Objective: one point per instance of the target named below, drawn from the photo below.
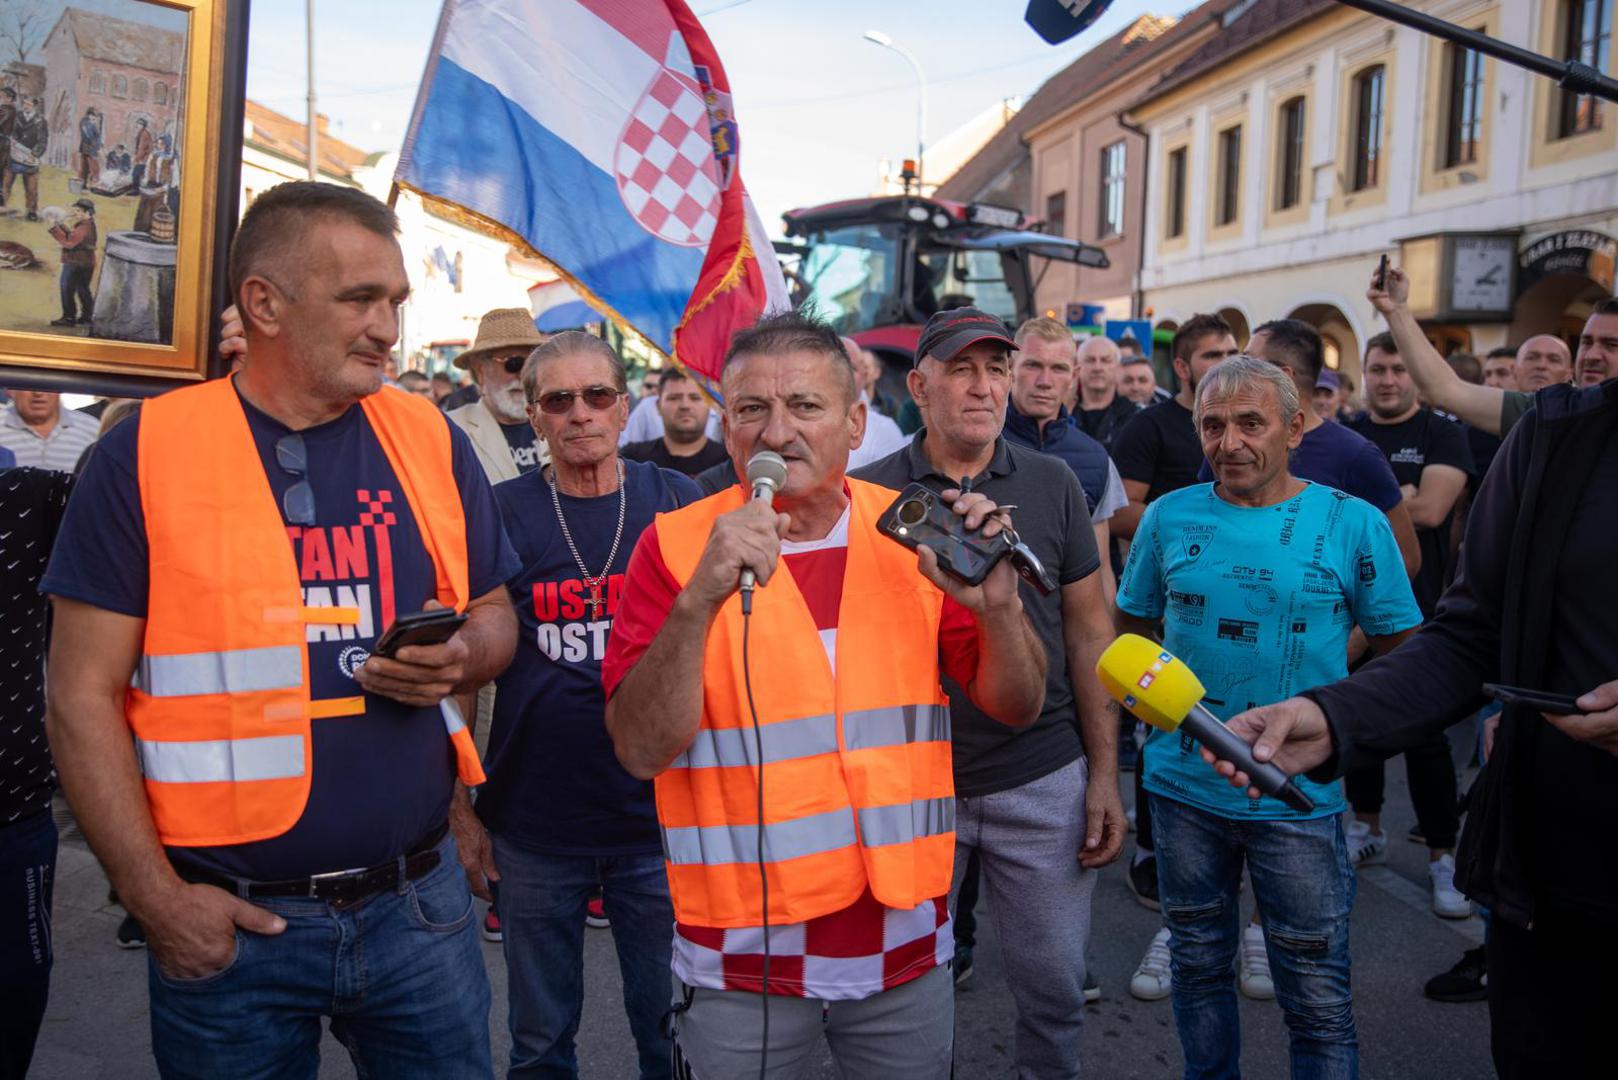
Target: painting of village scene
(90, 172)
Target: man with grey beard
(497, 422)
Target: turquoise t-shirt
(1259, 603)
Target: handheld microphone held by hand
(1152, 683)
(766, 472)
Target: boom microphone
(1058, 20)
(766, 472)
(1152, 683)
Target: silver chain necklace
(594, 584)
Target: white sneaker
(1255, 978)
(1448, 901)
(1365, 848)
(1152, 981)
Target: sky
(819, 107)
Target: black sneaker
(131, 935)
(1092, 988)
(1143, 882)
(1467, 981)
(963, 963)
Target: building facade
(1306, 139)
(129, 72)
(456, 273)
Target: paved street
(97, 1024)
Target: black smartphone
(1539, 700)
(1382, 272)
(920, 517)
(432, 627)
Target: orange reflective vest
(858, 787)
(220, 705)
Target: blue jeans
(542, 902)
(27, 867)
(400, 974)
(1304, 887)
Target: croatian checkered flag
(599, 134)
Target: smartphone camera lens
(912, 512)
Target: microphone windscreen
(1149, 681)
(766, 466)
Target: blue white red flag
(600, 134)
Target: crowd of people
(786, 799)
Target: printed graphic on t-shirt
(575, 617)
(1259, 601)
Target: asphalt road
(97, 1022)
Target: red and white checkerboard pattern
(848, 955)
(667, 175)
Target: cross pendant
(595, 601)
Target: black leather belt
(339, 885)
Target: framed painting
(120, 152)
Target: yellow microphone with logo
(1157, 687)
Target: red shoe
(491, 927)
(596, 913)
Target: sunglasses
(513, 364)
(298, 501)
(560, 402)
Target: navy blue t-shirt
(381, 780)
(1340, 458)
(555, 784)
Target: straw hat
(501, 329)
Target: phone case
(919, 517)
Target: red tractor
(878, 267)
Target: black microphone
(766, 472)
(1058, 20)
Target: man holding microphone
(802, 752)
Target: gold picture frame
(150, 156)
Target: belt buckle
(332, 876)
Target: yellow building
(1306, 139)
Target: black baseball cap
(948, 332)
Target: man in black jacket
(1533, 606)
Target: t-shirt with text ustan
(847, 955)
(1259, 603)
(381, 780)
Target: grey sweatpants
(906, 1033)
(1028, 840)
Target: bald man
(1101, 410)
(1543, 360)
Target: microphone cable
(763, 878)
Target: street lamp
(877, 37)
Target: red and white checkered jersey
(847, 955)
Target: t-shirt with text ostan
(1259, 602)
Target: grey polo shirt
(59, 450)
(1052, 520)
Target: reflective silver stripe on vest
(715, 845)
(237, 671)
(274, 757)
(784, 740)
(904, 822)
(898, 725)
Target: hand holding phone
(1382, 272)
(1538, 700)
(434, 626)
